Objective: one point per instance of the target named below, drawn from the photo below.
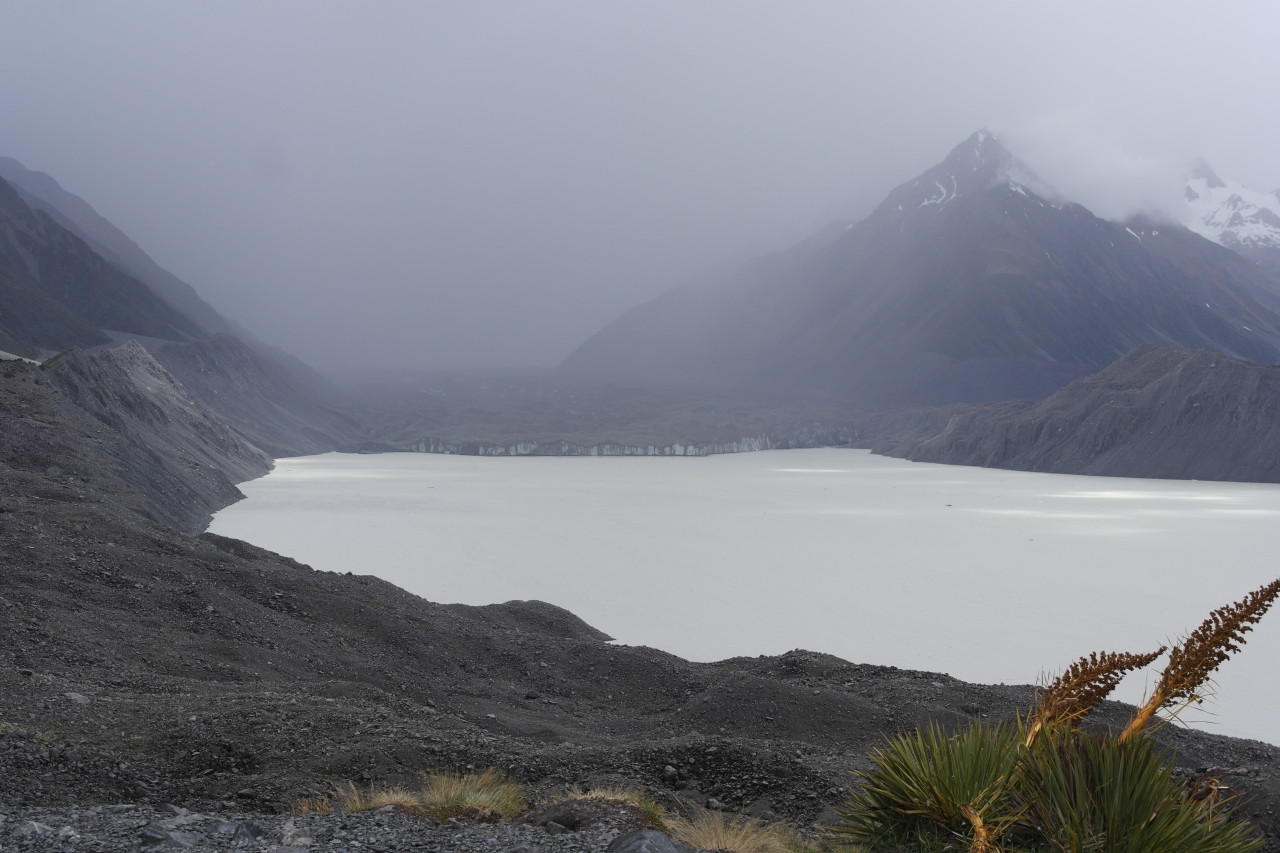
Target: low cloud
(1071, 153)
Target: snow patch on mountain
(1230, 213)
(975, 165)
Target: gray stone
(646, 841)
(247, 832)
(296, 836)
(155, 834)
(32, 829)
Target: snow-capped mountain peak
(1230, 213)
(973, 166)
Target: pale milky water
(991, 576)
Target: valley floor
(141, 665)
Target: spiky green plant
(1088, 792)
(930, 790)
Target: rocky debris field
(604, 829)
(141, 665)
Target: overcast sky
(450, 184)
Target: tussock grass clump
(313, 805)
(711, 830)
(353, 799)
(487, 796)
(652, 811)
(346, 797)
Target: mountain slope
(42, 192)
(173, 451)
(1154, 413)
(65, 270)
(965, 284)
(258, 398)
(32, 322)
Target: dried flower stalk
(1194, 661)
(1082, 687)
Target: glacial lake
(990, 576)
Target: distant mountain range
(968, 283)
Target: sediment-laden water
(991, 576)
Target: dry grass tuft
(487, 796)
(346, 797)
(353, 799)
(1195, 659)
(314, 805)
(711, 830)
(1082, 687)
(654, 814)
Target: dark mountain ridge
(44, 193)
(963, 285)
(64, 269)
(33, 322)
(1154, 413)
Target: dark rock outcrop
(1154, 413)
